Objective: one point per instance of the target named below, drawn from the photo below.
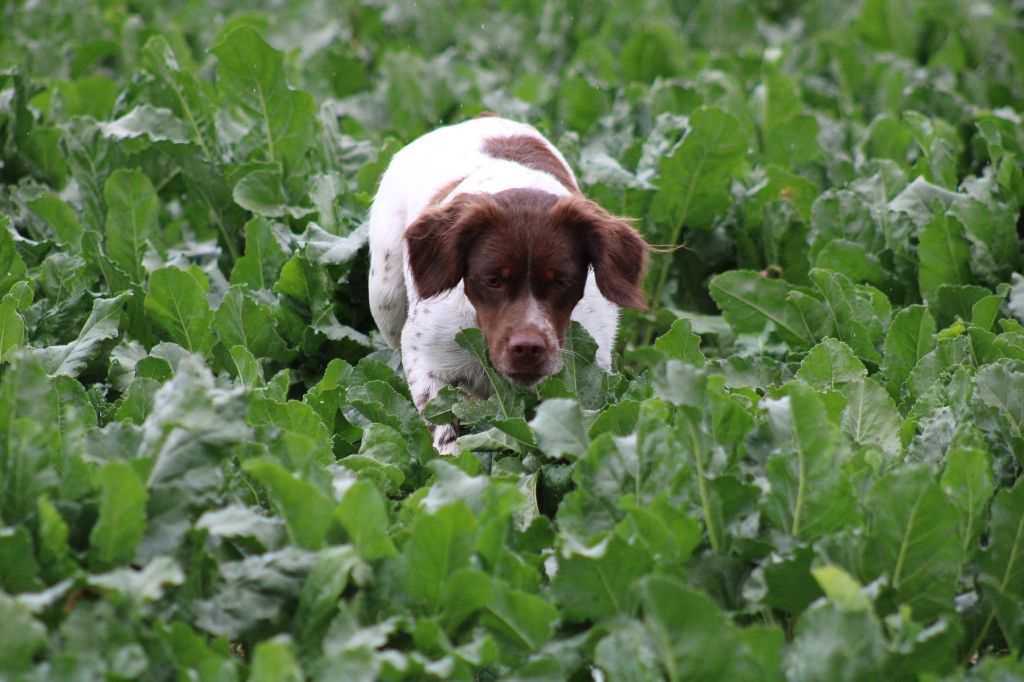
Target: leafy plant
(806, 465)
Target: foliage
(806, 464)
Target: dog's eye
(559, 283)
(492, 282)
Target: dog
(483, 224)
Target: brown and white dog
(483, 224)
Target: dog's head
(524, 256)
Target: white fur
(425, 329)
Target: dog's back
(487, 154)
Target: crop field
(805, 466)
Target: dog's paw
(446, 439)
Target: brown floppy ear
(617, 252)
(438, 240)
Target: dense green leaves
(251, 77)
(803, 461)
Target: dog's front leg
(424, 385)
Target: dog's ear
(437, 242)
(615, 250)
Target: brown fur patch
(531, 152)
(440, 195)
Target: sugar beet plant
(806, 466)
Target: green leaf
(247, 368)
(680, 343)
(183, 91)
(262, 192)
(1002, 567)
(29, 410)
(999, 404)
(264, 256)
(967, 481)
(132, 212)
(870, 416)
(842, 589)
(177, 302)
(859, 312)
(628, 653)
(146, 585)
(255, 595)
(243, 522)
(21, 636)
(274, 661)
(250, 75)
(307, 511)
(830, 364)
(329, 249)
(103, 324)
(692, 637)
(54, 552)
(122, 516)
(243, 321)
(364, 515)
(559, 428)
(749, 302)
(59, 216)
(198, 655)
(596, 583)
(472, 339)
(641, 466)
(944, 256)
(153, 123)
(438, 545)
(580, 373)
(18, 569)
(834, 643)
(12, 267)
(913, 538)
(318, 601)
(910, 336)
(192, 426)
(810, 495)
(693, 180)
(12, 327)
(520, 619)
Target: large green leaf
(251, 78)
(749, 302)
(21, 635)
(12, 327)
(597, 583)
(1002, 570)
(264, 256)
(913, 539)
(438, 545)
(132, 212)
(177, 302)
(30, 443)
(103, 324)
(307, 511)
(12, 266)
(870, 417)
(945, 255)
(693, 184)
(810, 494)
(122, 516)
(559, 429)
(910, 336)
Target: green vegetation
(807, 465)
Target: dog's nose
(526, 346)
